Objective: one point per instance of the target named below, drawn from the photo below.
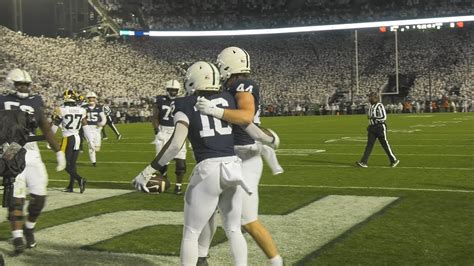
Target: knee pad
(36, 205)
(180, 167)
(15, 211)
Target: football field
(322, 210)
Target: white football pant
(94, 140)
(252, 167)
(207, 190)
(34, 177)
(163, 135)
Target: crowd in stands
(298, 74)
(217, 15)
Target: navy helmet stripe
(213, 74)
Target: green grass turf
(422, 227)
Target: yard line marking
(306, 186)
(284, 152)
(305, 165)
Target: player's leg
(111, 124)
(36, 181)
(201, 199)
(382, 136)
(206, 236)
(252, 172)
(180, 161)
(15, 213)
(371, 137)
(72, 162)
(66, 148)
(231, 210)
(104, 134)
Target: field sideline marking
(312, 144)
(305, 165)
(325, 153)
(309, 186)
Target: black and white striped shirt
(377, 114)
(107, 110)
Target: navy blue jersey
(246, 85)
(93, 115)
(32, 104)
(165, 107)
(209, 136)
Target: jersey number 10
(207, 131)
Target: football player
(71, 118)
(34, 176)
(163, 126)
(96, 120)
(216, 180)
(110, 122)
(234, 66)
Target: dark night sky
(38, 16)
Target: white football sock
(30, 225)
(92, 155)
(17, 233)
(276, 261)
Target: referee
(377, 130)
(110, 123)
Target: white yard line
(308, 186)
(316, 224)
(303, 165)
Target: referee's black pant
(70, 146)
(374, 132)
(111, 124)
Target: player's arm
(49, 136)
(47, 132)
(242, 116)
(103, 119)
(169, 151)
(264, 135)
(155, 118)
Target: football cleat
(82, 185)
(30, 237)
(94, 164)
(105, 138)
(361, 164)
(394, 164)
(67, 190)
(202, 261)
(177, 190)
(119, 136)
(18, 245)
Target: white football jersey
(71, 117)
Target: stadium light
(361, 25)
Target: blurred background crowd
(299, 74)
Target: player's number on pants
(207, 131)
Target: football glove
(140, 181)
(207, 107)
(276, 140)
(61, 160)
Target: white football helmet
(201, 76)
(19, 76)
(91, 94)
(233, 60)
(172, 88)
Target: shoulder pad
(243, 85)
